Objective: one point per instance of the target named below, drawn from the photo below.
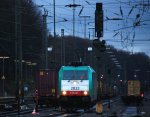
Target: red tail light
(142, 95)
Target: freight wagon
(133, 94)
(46, 84)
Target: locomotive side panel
(94, 86)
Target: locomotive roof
(77, 68)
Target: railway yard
(111, 108)
(54, 65)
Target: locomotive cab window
(75, 75)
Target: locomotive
(77, 87)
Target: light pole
(3, 72)
(90, 49)
(54, 19)
(84, 24)
(50, 48)
(73, 6)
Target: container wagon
(46, 84)
(133, 95)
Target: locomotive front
(77, 86)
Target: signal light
(99, 20)
(142, 95)
(100, 45)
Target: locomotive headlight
(85, 92)
(75, 83)
(64, 92)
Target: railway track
(116, 107)
(80, 112)
(9, 105)
(25, 111)
(52, 112)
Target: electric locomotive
(77, 87)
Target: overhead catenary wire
(111, 3)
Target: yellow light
(85, 92)
(41, 73)
(64, 92)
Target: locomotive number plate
(74, 88)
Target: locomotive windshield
(75, 75)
